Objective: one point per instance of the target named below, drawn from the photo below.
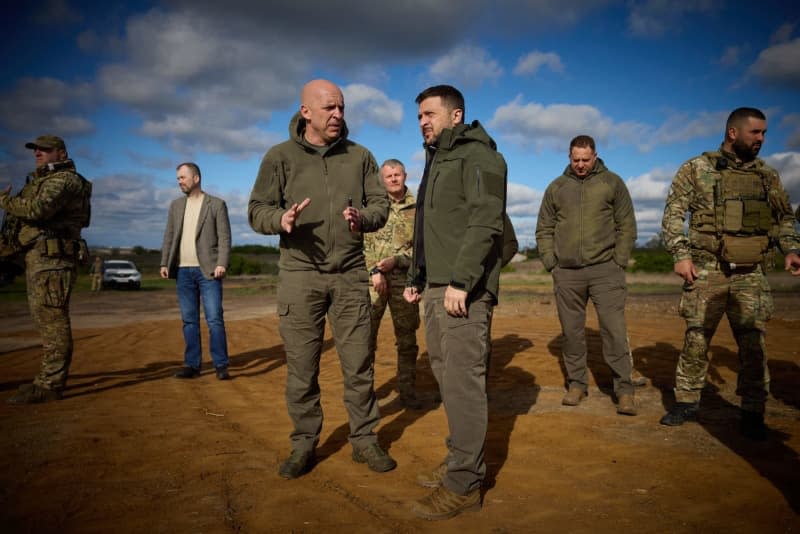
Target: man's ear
(458, 116)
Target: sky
(135, 88)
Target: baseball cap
(47, 141)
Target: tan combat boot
(626, 405)
(434, 478)
(637, 379)
(444, 504)
(574, 396)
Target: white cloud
(779, 65)
(130, 209)
(649, 192)
(680, 127)
(788, 166)
(553, 126)
(731, 56)
(655, 18)
(540, 126)
(792, 121)
(522, 200)
(46, 105)
(533, 61)
(466, 66)
(783, 33)
(365, 104)
(651, 186)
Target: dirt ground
(130, 449)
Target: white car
(121, 273)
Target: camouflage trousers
(745, 298)
(405, 319)
(50, 284)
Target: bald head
(322, 107)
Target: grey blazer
(212, 240)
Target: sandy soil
(131, 449)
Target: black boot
(680, 413)
(752, 426)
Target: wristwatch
(375, 270)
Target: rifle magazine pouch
(744, 250)
(734, 213)
(53, 248)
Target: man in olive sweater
(319, 191)
(585, 232)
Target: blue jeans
(192, 287)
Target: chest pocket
(442, 193)
(745, 209)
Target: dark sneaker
(574, 396)
(637, 379)
(187, 372)
(33, 394)
(376, 458)
(626, 405)
(298, 463)
(752, 426)
(444, 504)
(222, 373)
(434, 478)
(680, 413)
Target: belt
(727, 268)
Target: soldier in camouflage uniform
(49, 213)
(739, 211)
(388, 255)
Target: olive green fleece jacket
(463, 209)
(586, 221)
(294, 170)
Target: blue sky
(137, 87)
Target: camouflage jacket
(395, 238)
(693, 191)
(55, 202)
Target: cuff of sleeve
(458, 285)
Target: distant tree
(655, 243)
(255, 249)
(138, 250)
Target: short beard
(744, 152)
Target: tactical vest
(73, 215)
(742, 219)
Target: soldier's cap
(47, 141)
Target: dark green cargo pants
(305, 298)
(458, 349)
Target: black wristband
(375, 270)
